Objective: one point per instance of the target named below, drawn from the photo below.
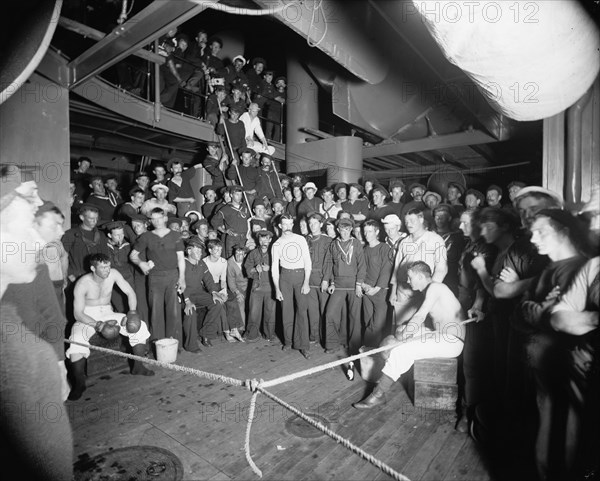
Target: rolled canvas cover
(531, 59)
(28, 28)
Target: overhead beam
(155, 20)
(430, 169)
(89, 32)
(317, 133)
(112, 144)
(424, 157)
(135, 139)
(471, 137)
(384, 163)
(54, 67)
(406, 160)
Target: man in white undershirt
(290, 252)
(252, 125)
(420, 245)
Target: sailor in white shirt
(290, 253)
(252, 125)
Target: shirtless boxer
(435, 330)
(93, 313)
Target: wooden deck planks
(307, 452)
(439, 464)
(424, 456)
(358, 427)
(203, 422)
(418, 433)
(401, 427)
(467, 465)
(305, 394)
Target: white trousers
(428, 345)
(82, 332)
(259, 148)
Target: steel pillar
(341, 157)
(302, 103)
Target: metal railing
(144, 82)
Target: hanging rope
(242, 11)
(317, 8)
(332, 434)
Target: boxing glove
(110, 330)
(133, 322)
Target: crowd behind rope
(342, 268)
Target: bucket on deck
(166, 350)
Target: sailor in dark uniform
(232, 220)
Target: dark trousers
(317, 301)
(519, 391)
(375, 316)
(502, 360)
(231, 241)
(183, 208)
(169, 87)
(209, 321)
(197, 84)
(140, 286)
(60, 295)
(120, 301)
(190, 331)
(478, 365)
(334, 320)
(295, 331)
(262, 307)
(165, 309)
(548, 359)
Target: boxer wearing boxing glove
(93, 313)
(132, 322)
(108, 329)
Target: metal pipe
(281, 125)
(148, 78)
(573, 161)
(156, 86)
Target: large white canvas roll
(531, 59)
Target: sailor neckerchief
(241, 210)
(326, 210)
(346, 255)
